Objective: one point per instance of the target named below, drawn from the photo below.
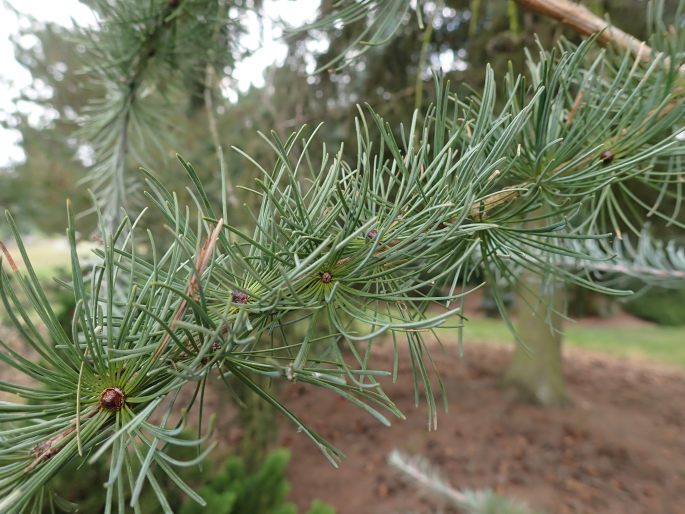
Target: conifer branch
(109, 174)
(422, 474)
(348, 250)
(142, 55)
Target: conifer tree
(349, 249)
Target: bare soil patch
(619, 448)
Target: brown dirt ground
(619, 448)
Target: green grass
(652, 342)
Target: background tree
(35, 188)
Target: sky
(13, 76)
(267, 46)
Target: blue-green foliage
(231, 489)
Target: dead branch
(586, 23)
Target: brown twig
(586, 23)
(574, 109)
(48, 449)
(53, 446)
(481, 209)
(6, 252)
(203, 258)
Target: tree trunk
(535, 371)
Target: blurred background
(616, 446)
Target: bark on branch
(583, 21)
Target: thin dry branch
(7, 255)
(586, 23)
(203, 259)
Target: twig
(6, 252)
(574, 109)
(203, 259)
(583, 21)
(52, 446)
(586, 23)
(48, 449)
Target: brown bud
(112, 399)
(326, 277)
(373, 234)
(239, 296)
(216, 346)
(607, 156)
